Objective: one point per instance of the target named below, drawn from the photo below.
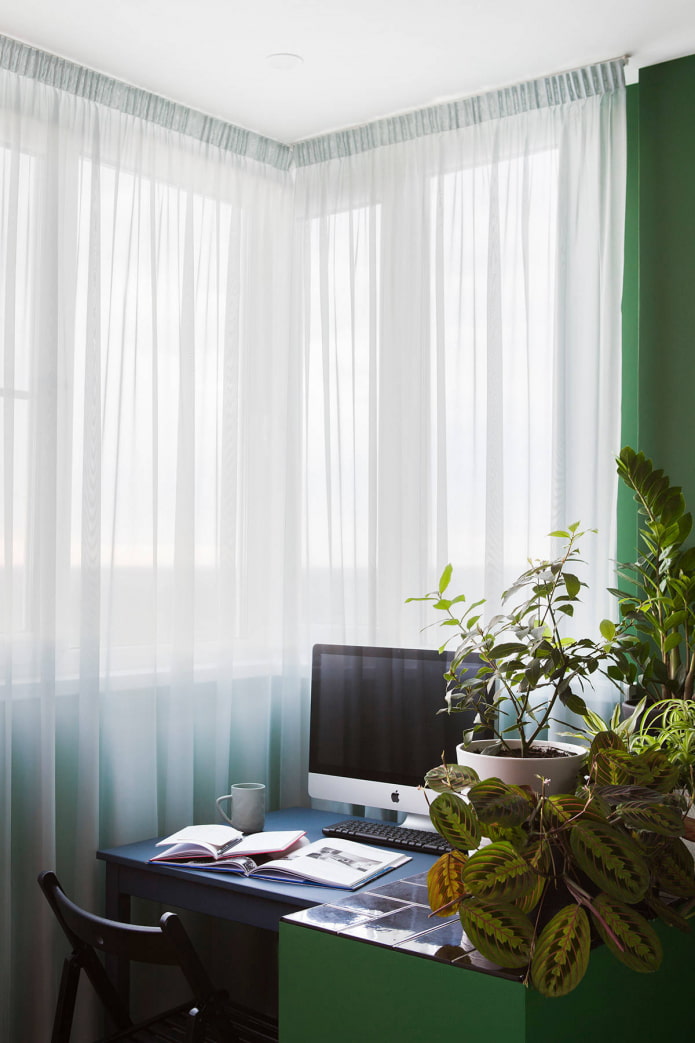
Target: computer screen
(375, 730)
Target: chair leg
(67, 994)
(194, 1026)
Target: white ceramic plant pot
(524, 771)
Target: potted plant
(563, 871)
(657, 598)
(529, 670)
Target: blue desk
(260, 903)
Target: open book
(217, 843)
(331, 862)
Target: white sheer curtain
(145, 282)
(460, 333)
(245, 409)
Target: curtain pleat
(251, 402)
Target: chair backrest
(88, 935)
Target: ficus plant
(530, 668)
(537, 880)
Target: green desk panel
(346, 990)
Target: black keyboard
(385, 834)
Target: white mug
(248, 806)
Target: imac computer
(375, 730)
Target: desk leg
(117, 907)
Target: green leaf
(674, 870)
(506, 649)
(610, 859)
(561, 808)
(498, 871)
(444, 882)
(496, 801)
(572, 584)
(445, 578)
(663, 819)
(574, 703)
(638, 945)
(667, 913)
(515, 835)
(456, 820)
(561, 954)
(672, 641)
(618, 767)
(538, 857)
(607, 629)
(450, 777)
(499, 931)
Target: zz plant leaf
(561, 954)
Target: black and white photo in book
(332, 862)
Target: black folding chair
(207, 1016)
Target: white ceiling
(362, 59)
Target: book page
(335, 862)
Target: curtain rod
(545, 91)
(68, 76)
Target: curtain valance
(544, 92)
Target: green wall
(659, 296)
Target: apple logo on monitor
(395, 796)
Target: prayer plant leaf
(561, 808)
(606, 740)
(498, 871)
(456, 820)
(610, 859)
(620, 768)
(444, 882)
(515, 835)
(638, 945)
(561, 953)
(663, 819)
(674, 870)
(450, 778)
(496, 801)
(499, 931)
(538, 858)
(668, 913)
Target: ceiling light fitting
(284, 61)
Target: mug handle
(227, 796)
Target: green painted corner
(658, 372)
